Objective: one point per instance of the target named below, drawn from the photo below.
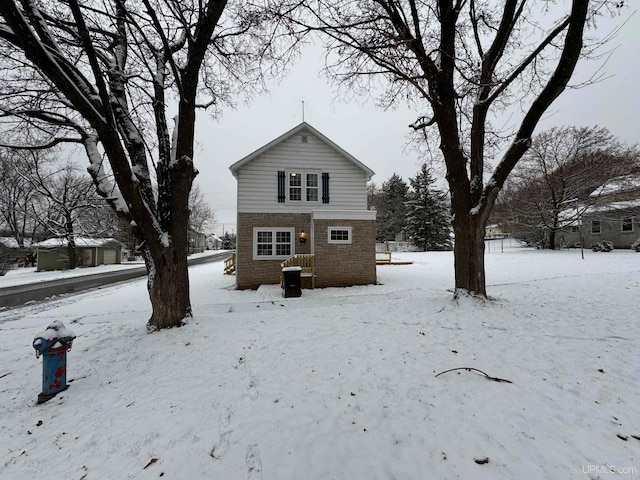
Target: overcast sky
(379, 138)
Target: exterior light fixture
(303, 237)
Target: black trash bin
(291, 276)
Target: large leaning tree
(463, 63)
(110, 75)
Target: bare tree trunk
(166, 259)
(469, 255)
(168, 285)
(71, 252)
(552, 239)
(71, 243)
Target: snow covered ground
(341, 383)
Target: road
(21, 294)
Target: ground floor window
(595, 226)
(272, 243)
(626, 224)
(339, 235)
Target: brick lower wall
(253, 273)
(345, 265)
(336, 265)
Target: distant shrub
(6, 262)
(603, 246)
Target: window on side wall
(626, 224)
(273, 243)
(339, 235)
(595, 226)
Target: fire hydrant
(53, 344)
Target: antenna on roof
(302, 111)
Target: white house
(303, 195)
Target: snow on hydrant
(53, 344)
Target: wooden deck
(384, 258)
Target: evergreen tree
(392, 212)
(228, 241)
(427, 214)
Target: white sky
(379, 138)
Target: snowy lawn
(341, 383)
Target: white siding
(258, 182)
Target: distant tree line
(44, 194)
(417, 212)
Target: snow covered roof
(11, 242)
(620, 184)
(80, 242)
(303, 126)
(569, 217)
(608, 207)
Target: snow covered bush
(636, 245)
(603, 246)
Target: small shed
(91, 252)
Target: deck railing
(230, 265)
(307, 262)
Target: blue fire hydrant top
(56, 335)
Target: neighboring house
(303, 194)
(197, 241)
(91, 252)
(614, 216)
(214, 242)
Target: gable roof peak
(285, 136)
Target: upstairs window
(312, 187)
(303, 186)
(295, 187)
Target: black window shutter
(281, 196)
(325, 187)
